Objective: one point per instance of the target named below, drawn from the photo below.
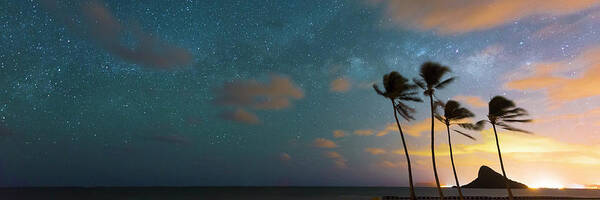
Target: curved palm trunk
(437, 180)
(460, 194)
(410, 179)
(510, 195)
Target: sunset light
(446, 99)
(547, 184)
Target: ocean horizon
(312, 193)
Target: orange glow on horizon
(547, 183)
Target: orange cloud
(339, 133)
(390, 127)
(571, 162)
(340, 85)
(587, 115)
(333, 154)
(452, 17)
(415, 129)
(561, 88)
(518, 145)
(365, 132)
(276, 94)
(390, 164)
(324, 143)
(241, 115)
(375, 151)
(474, 101)
(285, 156)
(338, 159)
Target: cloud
(324, 143)
(454, 17)
(416, 128)
(172, 139)
(340, 85)
(413, 129)
(390, 164)
(388, 128)
(587, 115)
(275, 94)
(365, 132)
(339, 133)
(338, 160)
(375, 151)
(555, 78)
(473, 101)
(241, 115)
(96, 22)
(4, 131)
(516, 145)
(285, 156)
(568, 26)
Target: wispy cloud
(94, 21)
(375, 151)
(338, 159)
(416, 128)
(276, 94)
(391, 164)
(557, 80)
(452, 17)
(390, 127)
(285, 156)
(365, 132)
(241, 115)
(339, 133)
(172, 139)
(340, 85)
(324, 143)
(473, 101)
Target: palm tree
(431, 75)
(397, 90)
(453, 114)
(502, 112)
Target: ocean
(267, 193)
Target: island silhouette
(490, 179)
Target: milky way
(238, 92)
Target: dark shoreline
(254, 192)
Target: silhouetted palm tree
(502, 112)
(397, 90)
(453, 114)
(431, 79)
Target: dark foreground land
(490, 198)
(271, 193)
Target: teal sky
(173, 93)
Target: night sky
(196, 93)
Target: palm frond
(476, 126)
(514, 115)
(499, 105)
(453, 111)
(405, 111)
(518, 120)
(503, 111)
(420, 83)
(377, 90)
(445, 83)
(432, 72)
(514, 129)
(409, 98)
(466, 135)
(439, 118)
